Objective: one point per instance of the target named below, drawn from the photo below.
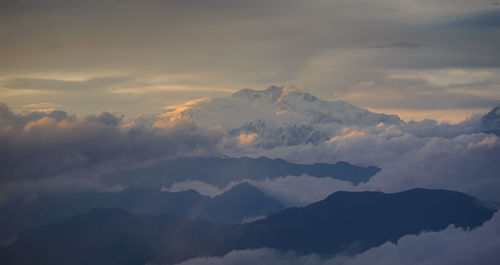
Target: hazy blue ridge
(345, 222)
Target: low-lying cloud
(424, 154)
(49, 149)
(65, 152)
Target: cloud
(401, 45)
(301, 190)
(424, 154)
(426, 90)
(351, 134)
(64, 85)
(199, 186)
(45, 122)
(42, 106)
(246, 139)
(106, 118)
(450, 246)
(482, 20)
(49, 148)
(418, 154)
(227, 46)
(288, 190)
(260, 256)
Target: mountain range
(242, 202)
(220, 171)
(288, 116)
(277, 115)
(345, 222)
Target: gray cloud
(481, 20)
(39, 149)
(321, 45)
(66, 149)
(106, 118)
(418, 154)
(421, 91)
(402, 45)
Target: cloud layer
(165, 52)
(426, 154)
(55, 150)
(65, 152)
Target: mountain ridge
(241, 202)
(328, 227)
(221, 171)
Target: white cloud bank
(433, 157)
(65, 152)
(425, 155)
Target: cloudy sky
(416, 58)
(93, 88)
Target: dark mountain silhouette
(348, 222)
(242, 201)
(111, 236)
(221, 171)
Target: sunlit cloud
(246, 139)
(42, 106)
(348, 134)
(94, 90)
(40, 124)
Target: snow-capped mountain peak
(286, 113)
(273, 94)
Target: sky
(419, 59)
(92, 89)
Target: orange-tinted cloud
(41, 123)
(351, 134)
(246, 139)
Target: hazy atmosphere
(250, 132)
(420, 59)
